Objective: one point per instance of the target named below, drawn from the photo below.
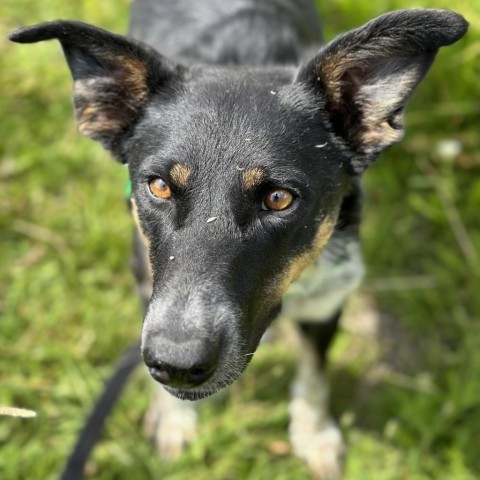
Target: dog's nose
(181, 377)
(182, 370)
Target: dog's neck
(237, 32)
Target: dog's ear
(114, 76)
(365, 76)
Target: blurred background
(405, 369)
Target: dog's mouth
(221, 378)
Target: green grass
(67, 306)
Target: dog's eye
(160, 189)
(278, 199)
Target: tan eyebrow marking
(180, 174)
(253, 177)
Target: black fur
(312, 129)
(242, 32)
(320, 334)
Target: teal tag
(128, 189)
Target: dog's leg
(314, 435)
(171, 423)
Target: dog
(245, 150)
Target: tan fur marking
(145, 240)
(134, 77)
(332, 68)
(137, 222)
(94, 120)
(252, 177)
(302, 261)
(381, 133)
(180, 174)
(95, 115)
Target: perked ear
(366, 75)
(113, 75)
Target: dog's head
(239, 173)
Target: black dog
(245, 171)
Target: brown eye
(279, 199)
(160, 189)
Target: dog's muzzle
(193, 345)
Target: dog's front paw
(319, 445)
(324, 453)
(171, 423)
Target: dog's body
(245, 172)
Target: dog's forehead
(225, 116)
(240, 99)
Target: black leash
(92, 429)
